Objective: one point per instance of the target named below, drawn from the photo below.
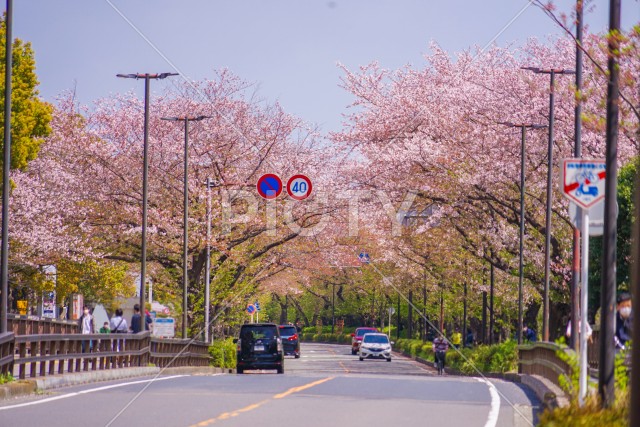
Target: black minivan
(259, 347)
(290, 340)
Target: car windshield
(287, 331)
(361, 332)
(376, 339)
(258, 332)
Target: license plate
(258, 348)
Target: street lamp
(207, 279)
(523, 127)
(547, 243)
(185, 224)
(145, 174)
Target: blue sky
(288, 48)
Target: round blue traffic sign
(251, 309)
(299, 187)
(269, 186)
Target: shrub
(223, 353)
(6, 378)
(590, 415)
(499, 358)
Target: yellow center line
(301, 388)
(227, 415)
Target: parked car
(290, 340)
(259, 347)
(375, 345)
(356, 338)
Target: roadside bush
(590, 415)
(499, 358)
(223, 353)
(6, 378)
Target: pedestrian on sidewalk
(136, 319)
(469, 339)
(118, 325)
(456, 338)
(624, 320)
(87, 326)
(105, 328)
(529, 334)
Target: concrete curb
(26, 387)
(17, 388)
(78, 378)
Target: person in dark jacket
(624, 319)
(529, 334)
(468, 340)
(136, 318)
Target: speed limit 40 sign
(299, 187)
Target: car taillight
(293, 337)
(239, 345)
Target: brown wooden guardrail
(34, 325)
(31, 356)
(172, 352)
(541, 359)
(7, 342)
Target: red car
(356, 338)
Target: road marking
(344, 367)
(495, 403)
(301, 388)
(227, 415)
(91, 390)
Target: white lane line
(91, 390)
(495, 403)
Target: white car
(375, 346)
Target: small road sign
(583, 181)
(164, 327)
(269, 186)
(364, 258)
(257, 306)
(251, 309)
(299, 187)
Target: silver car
(375, 345)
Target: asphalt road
(327, 386)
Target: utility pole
(6, 166)
(491, 315)
(608, 292)
(577, 153)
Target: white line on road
(495, 403)
(91, 390)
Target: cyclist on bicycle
(440, 347)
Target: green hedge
(223, 353)
(326, 329)
(326, 338)
(499, 358)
